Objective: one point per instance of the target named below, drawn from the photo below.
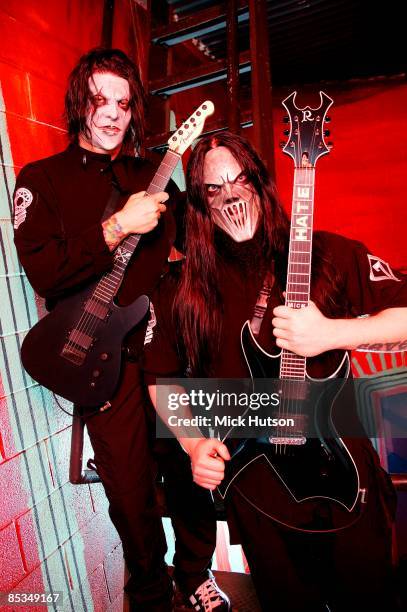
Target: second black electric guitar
(310, 478)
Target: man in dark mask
(237, 235)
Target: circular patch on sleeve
(22, 200)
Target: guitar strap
(262, 300)
(112, 201)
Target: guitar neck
(293, 366)
(109, 284)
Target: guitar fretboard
(109, 284)
(293, 366)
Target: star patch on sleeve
(380, 269)
(22, 200)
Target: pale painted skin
(108, 114)
(108, 119)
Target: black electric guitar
(311, 473)
(75, 351)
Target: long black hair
(78, 95)
(198, 304)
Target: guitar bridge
(73, 354)
(293, 441)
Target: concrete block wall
(53, 536)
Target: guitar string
(88, 322)
(289, 363)
(108, 284)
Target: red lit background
(54, 536)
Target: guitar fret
(295, 364)
(108, 288)
(106, 298)
(102, 298)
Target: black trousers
(127, 459)
(293, 571)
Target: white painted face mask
(232, 198)
(108, 114)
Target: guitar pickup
(80, 339)
(97, 309)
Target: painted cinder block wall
(53, 536)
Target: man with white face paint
(71, 211)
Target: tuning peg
(286, 119)
(282, 144)
(330, 145)
(327, 133)
(327, 119)
(286, 132)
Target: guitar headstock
(306, 136)
(191, 128)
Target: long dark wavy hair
(77, 98)
(198, 304)
(197, 308)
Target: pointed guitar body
(310, 481)
(317, 473)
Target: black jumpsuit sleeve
(371, 284)
(53, 262)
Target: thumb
(221, 450)
(160, 196)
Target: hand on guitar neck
(139, 215)
(304, 331)
(307, 332)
